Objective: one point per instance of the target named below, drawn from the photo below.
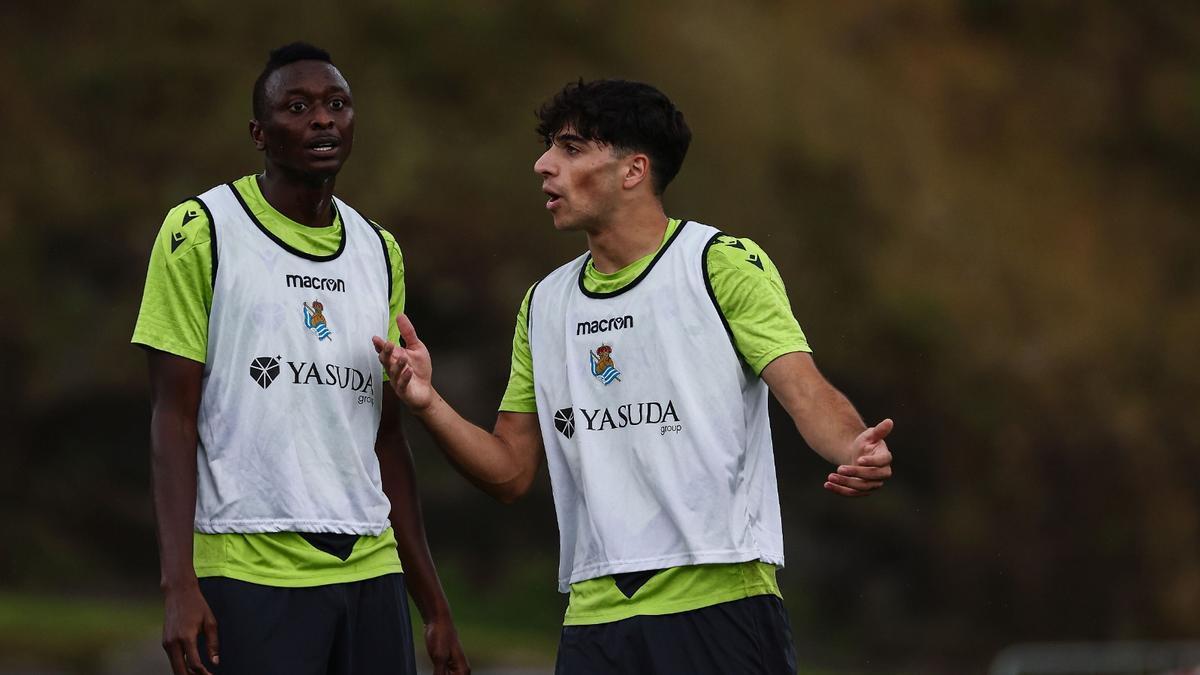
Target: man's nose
(543, 165)
(321, 118)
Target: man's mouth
(323, 145)
(554, 200)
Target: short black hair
(278, 58)
(629, 116)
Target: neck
(308, 202)
(627, 236)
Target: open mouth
(554, 198)
(324, 146)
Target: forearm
(823, 416)
(408, 524)
(173, 473)
(829, 424)
(485, 458)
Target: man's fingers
(881, 456)
(195, 665)
(403, 377)
(407, 332)
(866, 472)
(389, 357)
(175, 656)
(385, 350)
(398, 365)
(879, 431)
(211, 642)
(842, 490)
(860, 484)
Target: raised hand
(872, 464)
(408, 366)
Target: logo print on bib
(315, 322)
(564, 421)
(264, 370)
(602, 365)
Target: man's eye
(571, 150)
(297, 107)
(337, 104)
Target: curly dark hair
(628, 116)
(278, 58)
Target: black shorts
(358, 628)
(751, 636)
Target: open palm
(408, 366)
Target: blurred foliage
(984, 211)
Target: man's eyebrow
(333, 88)
(569, 138)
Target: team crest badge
(315, 321)
(602, 365)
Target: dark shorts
(358, 628)
(751, 636)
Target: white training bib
(290, 402)
(657, 435)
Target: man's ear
(637, 170)
(256, 135)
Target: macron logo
(604, 325)
(318, 283)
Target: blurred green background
(985, 213)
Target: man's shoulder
(242, 187)
(186, 226)
(386, 234)
(731, 252)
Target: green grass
(512, 622)
(72, 630)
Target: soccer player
(284, 490)
(641, 370)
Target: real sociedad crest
(315, 321)
(602, 365)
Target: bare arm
(830, 425)
(503, 462)
(175, 395)
(400, 485)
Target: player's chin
(564, 221)
(320, 168)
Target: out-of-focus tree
(984, 212)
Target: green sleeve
(396, 259)
(519, 396)
(750, 293)
(396, 302)
(178, 295)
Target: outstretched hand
(408, 366)
(872, 464)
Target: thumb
(407, 332)
(879, 431)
